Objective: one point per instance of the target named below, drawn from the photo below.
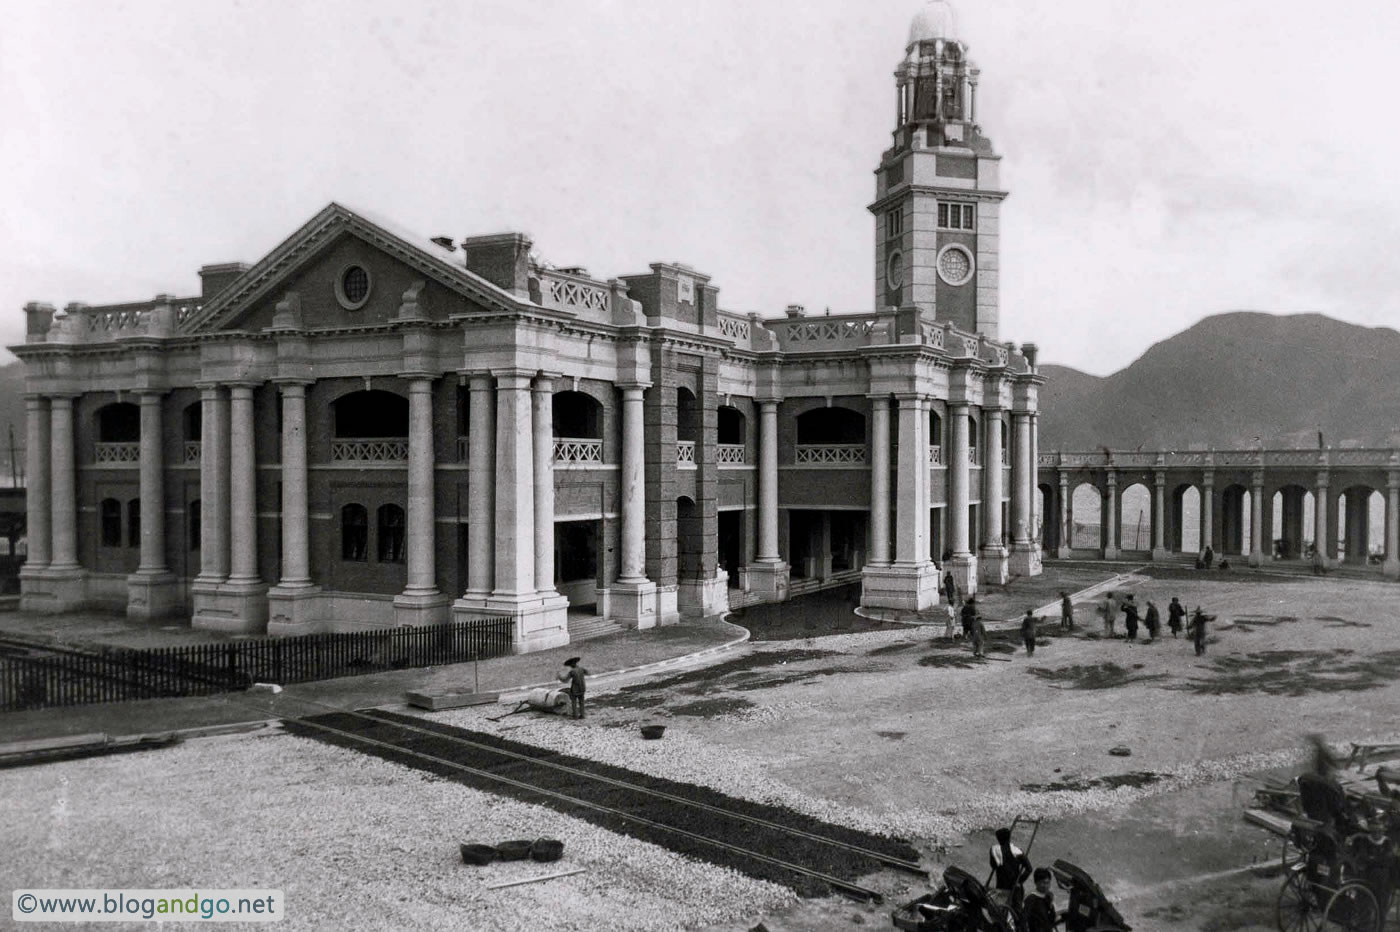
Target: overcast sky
(1166, 161)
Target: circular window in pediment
(352, 287)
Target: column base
(963, 566)
(629, 603)
(1256, 558)
(293, 610)
(994, 567)
(52, 591)
(704, 598)
(1110, 553)
(153, 595)
(1391, 568)
(909, 586)
(230, 607)
(1161, 553)
(418, 609)
(1064, 552)
(1025, 560)
(770, 580)
(541, 620)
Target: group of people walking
(1151, 620)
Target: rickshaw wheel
(1298, 909)
(1353, 908)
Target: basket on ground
(652, 732)
(513, 850)
(478, 855)
(546, 849)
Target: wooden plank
(450, 700)
(516, 883)
(1268, 820)
(96, 739)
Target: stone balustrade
(578, 450)
(831, 454)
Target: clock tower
(937, 191)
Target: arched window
(111, 512)
(195, 522)
(119, 422)
(354, 533)
(133, 523)
(391, 534)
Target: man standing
(1175, 612)
(1110, 612)
(969, 614)
(573, 674)
(979, 636)
(1010, 869)
(1039, 908)
(1130, 617)
(1028, 633)
(1066, 612)
(950, 588)
(1153, 620)
(1198, 630)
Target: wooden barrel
(547, 700)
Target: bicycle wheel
(1298, 908)
(1353, 908)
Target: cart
(1089, 910)
(960, 904)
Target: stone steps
(587, 627)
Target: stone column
(293, 604)
(151, 589)
(544, 483)
(1066, 516)
(515, 487)
(213, 486)
(152, 487)
(633, 568)
(1159, 515)
(913, 460)
(1320, 526)
(1037, 533)
(959, 476)
(243, 503)
(421, 549)
(1110, 550)
(880, 480)
(1208, 511)
(296, 556)
(38, 498)
(64, 486)
(994, 565)
(920, 481)
(481, 428)
(1256, 520)
(768, 482)
(1391, 567)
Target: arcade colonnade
(1236, 492)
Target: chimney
(502, 259)
(445, 242)
(796, 310)
(215, 278)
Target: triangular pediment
(316, 263)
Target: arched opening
(687, 416)
(1290, 522)
(1234, 520)
(1135, 518)
(192, 431)
(389, 525)
(689, 539)
(119, 422)
(729, 435)
(133, 523)
(1086, 510)
(1050, 522)
(830, 426)
(354, 533)
(578, 428)
(973, 437)
(1360, 525)
(935, 439)
(110, 519)
(370, 414)
(1186, 527)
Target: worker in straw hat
(573, 674)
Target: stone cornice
(963, 194)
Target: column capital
(1111, 477)
(878, 397)
(1159, 477)
(33, 400)
(513, 378)
(1324, 478)
(419, 384)
(1256, 478)
(769, 402)
(633, 386)
(419, 375)
(1392, 479)
(1208, 478)
(544, 381)
(154, 394)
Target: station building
(368, 427)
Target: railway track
(439, 748)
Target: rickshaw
(1089, 909)
(961, 904)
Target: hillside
(1233, 378)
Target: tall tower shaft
(938, 190)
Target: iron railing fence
(36, 676)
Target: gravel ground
(877, 730)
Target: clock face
(894, 269)
(955, 265)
